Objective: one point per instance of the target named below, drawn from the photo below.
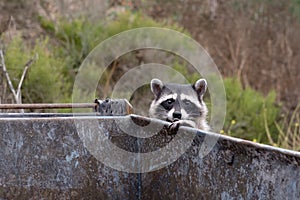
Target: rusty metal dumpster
(60, 156)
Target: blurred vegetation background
(255, 45)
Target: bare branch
(17, 95)
(27, 65)
(11, 87)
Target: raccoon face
(175, 102)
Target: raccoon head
(174, 102)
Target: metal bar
(47, 106)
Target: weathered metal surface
(43, 157)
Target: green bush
(80, 36)
(44, 82)
(248, 111)
(16, 56)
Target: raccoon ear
(200, 87)
(156, 86)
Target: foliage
(247, 110)
(16, 55)
(80, 36)
(44, 81)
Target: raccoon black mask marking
(180, 103)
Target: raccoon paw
(173, 127)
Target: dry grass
(289, 131)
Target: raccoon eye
(187, 102)
(168, 104)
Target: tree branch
(17, 95)
(11, 87)
(27, 65)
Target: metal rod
(47, 105)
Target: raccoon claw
(173, 127)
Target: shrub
(80, 36)
(44, 82)
(247, 110)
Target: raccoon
(180, 104)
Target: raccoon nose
(177, 115)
